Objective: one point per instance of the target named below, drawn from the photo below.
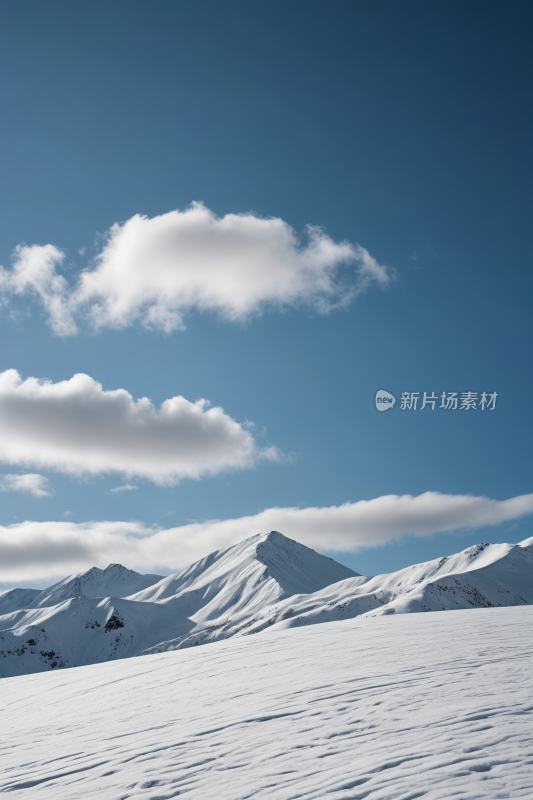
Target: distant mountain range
(265, 582)
(114, 581)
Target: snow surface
(432, 706)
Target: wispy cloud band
(38, 551)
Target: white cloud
(35, 484)
(128, 487)
(34, 272)
(38, 551)
(77, 428)
(156, 270)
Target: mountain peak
(220, 592)
(296, 568)
(113, 581)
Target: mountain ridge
(482, 576)
(266, 582)
(199, 603)
(114, 580)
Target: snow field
(434, 705)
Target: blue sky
(405, 128)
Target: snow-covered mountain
(210, 600)
(430, 706)
(82, 631)
(482, 576)
(13, 599)
(221, 593)
(113, 581)
(265, 582)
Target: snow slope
(13, 599)
(432, 706)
